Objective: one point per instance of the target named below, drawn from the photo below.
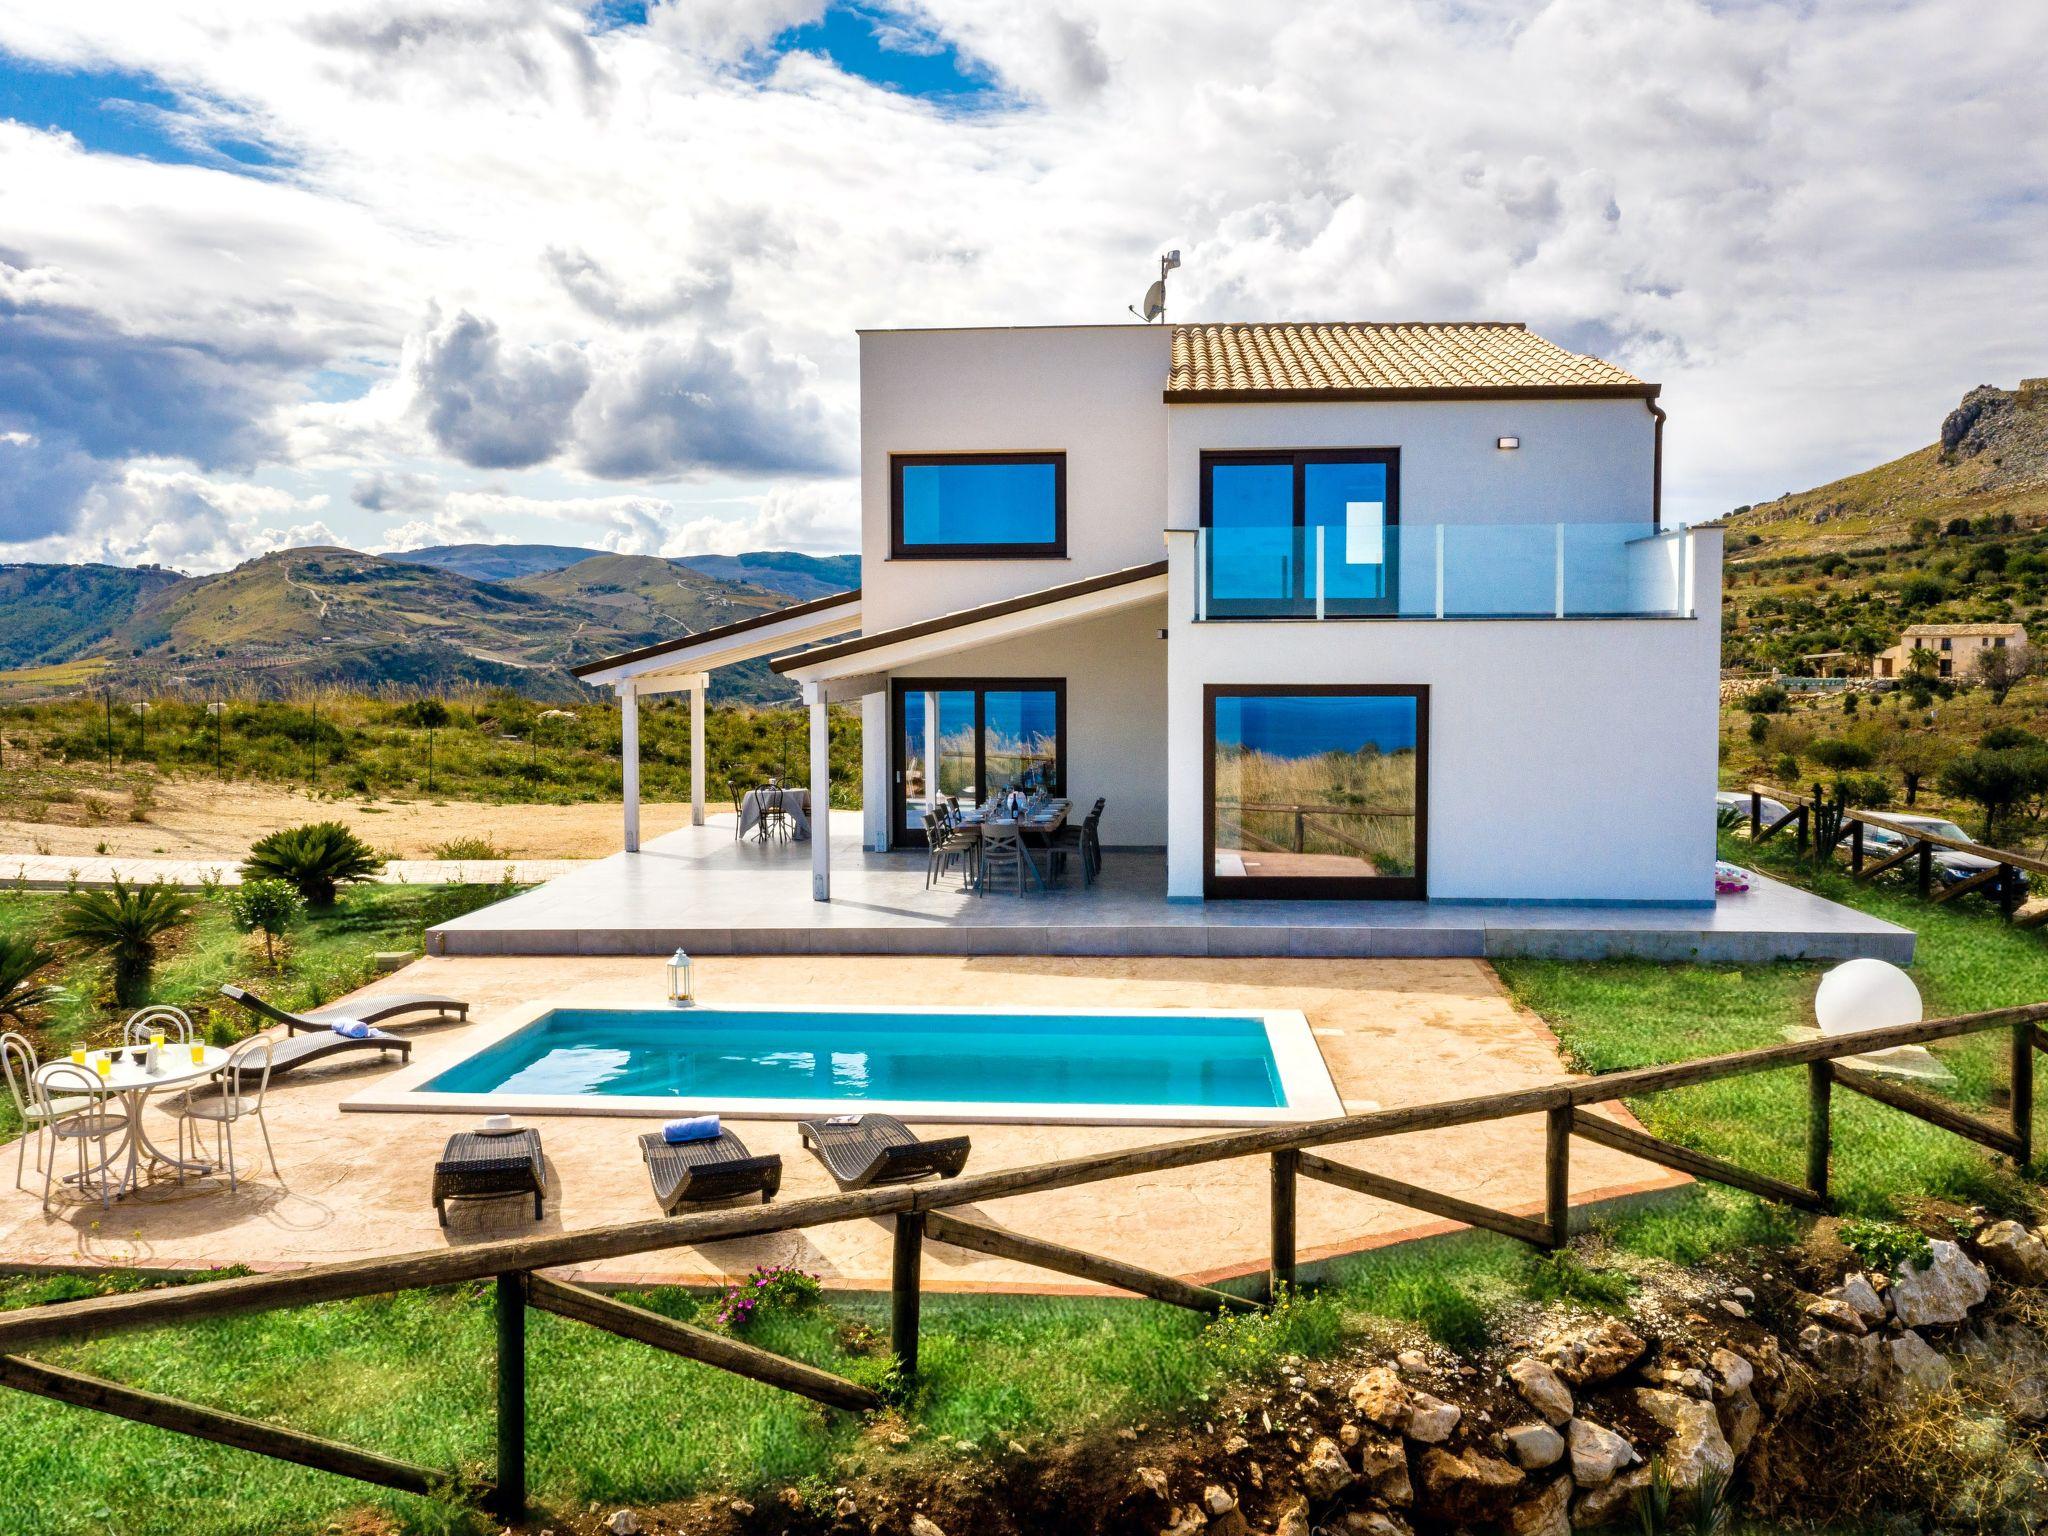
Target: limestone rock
(1681, 1378)
(846, 1508)
(1431, 1419)
(1593, 1352)
(1412, 1362)
(1842, 1358)
(1549, 1513)
(1736, 1373)
(1542, 1388)
(1383, 1463)
(1597, 1452)
(2014, 1252)
(1293, 1519)
(1380, 1396)
(1943, 1292)
(924, 1525)
(1917, 1367)
(1225, 1518)
(1373, 1522)
(1470, 1488)
(1836, 1313)
(1697, 1446)
(1534, 1446)
(1325, 1473)
(623, 1522)
(1186, 1520)
(1740, 1420)
(1610, 1501)
(1153, 1481)
(1859, 1293)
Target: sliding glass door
(1316, 791)
(992, 734)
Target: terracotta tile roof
(1965, 631)
(1366, 360)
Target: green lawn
(614, 1422)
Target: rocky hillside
(1956, 531)
(52, 613)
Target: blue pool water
(703, 1056)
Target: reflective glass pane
(1315, 786)
(1349, 503)
(971, 503)
(956, 751)
(1253, 547)
(1020, 739)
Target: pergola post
(821, 792)
(931, 753)
(629, 761)
(697, 691)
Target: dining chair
(226, 1101)
(1003, 854)
(1084, 841)
(949, 845)
(18, 1063)
(92, 1123)
(173, 1023)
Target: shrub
(1840, 752)
(20, 959)
(1767, 700)
(769, 1287)
(1885, 1245)
(1863, 791)
(126, 924)
(313, 859)
(1998, 779)
(468, 848)
(268, 907)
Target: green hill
(52, 613)
(1953, 532)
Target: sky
(398, 272)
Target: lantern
(682, 980)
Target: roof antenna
(1155, 296)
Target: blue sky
(399, 271)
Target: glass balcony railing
(1443, 571)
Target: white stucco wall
(1115, 667)
(1091, 392)
(1569, 760)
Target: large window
(990, 735)
(1291, 533)
(977, 505)
(1317, 791)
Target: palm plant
(313, 859)
(20, 958)
(126, 924)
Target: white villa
(1347, 624)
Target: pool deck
(355, 1185)
(700, 890)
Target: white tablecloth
(796, 804)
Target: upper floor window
(1286, 527)
(977, 505)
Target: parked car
(1950, 864)
(1737, 800)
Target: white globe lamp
(1865, 994)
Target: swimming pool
(1112, 1065)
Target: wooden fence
(2004, 883)
(925, 1213)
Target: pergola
(687, 664)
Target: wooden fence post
(2023, 1092)
(1926, 869)
(1820, 1132)
(905, 1268)
(1557, 1175)
(1756, 816)
(509, 1499)
(1803, 831)
(1286, 1164)
(1856, 848)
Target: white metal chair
(172, 1023)
(92, 1123)
(226, 1101)
(18, 1064)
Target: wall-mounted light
(1507, 442)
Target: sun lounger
(700, 1172)
(880, 1149)
(477, 1165)
(290, 1054)
(370, 1010)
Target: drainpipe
(1657, 470)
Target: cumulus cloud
(395, 491)
(151, 513)
(494, 406)
(817, 517)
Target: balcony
(1576, 570)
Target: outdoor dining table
(128, 1084)
(1035, 826)
(796, 805)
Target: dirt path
(194, 818)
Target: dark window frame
(1413, 887)
(1053, 549)
(901, 833)
(1388, 603)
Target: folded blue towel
(696, 1128)
(355, 1029)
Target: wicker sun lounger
(369, 1010)
(290, 1054)
(880, 1149)
(476, 1166)
(700, 1172)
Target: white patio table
(129, 1084)
(796, 805)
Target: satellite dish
(1155, 302)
